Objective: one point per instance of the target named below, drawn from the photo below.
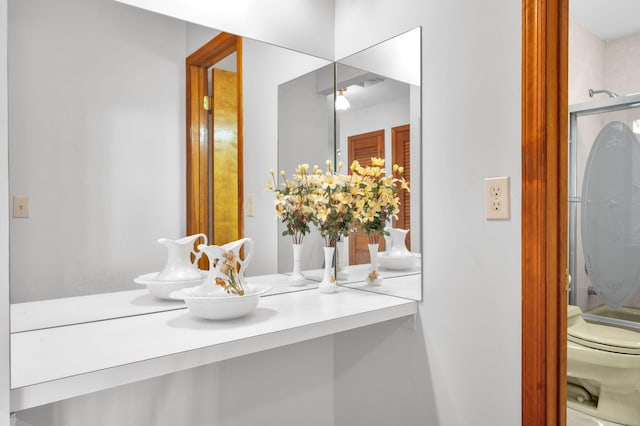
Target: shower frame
(576, 111)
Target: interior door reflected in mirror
(105, 170)
(376, 107)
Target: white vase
(343, 259)
(296, 278)
(328, 284)
(374, 278)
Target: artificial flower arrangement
(376, 196)
(333, 204)
(377, 201)
(294, 201)
(336, 202)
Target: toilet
(603, 370)
(603, 361)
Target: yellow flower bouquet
(294, 201)
(375, 195)
(333, 204)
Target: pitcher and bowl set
(219, 293)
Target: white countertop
(56, 363)
(97, 307)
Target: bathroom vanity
(55, 363)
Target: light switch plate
(251, 205)
(497, 198)
(20, 207)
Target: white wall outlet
(496, 198)
(251, 205)
(20, 207)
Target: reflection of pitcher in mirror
(179, 266)
(395, 241)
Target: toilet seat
(604, 338)
(601, 337)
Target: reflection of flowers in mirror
(376, 196)
(294, 203)
(334, 202)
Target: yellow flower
(377, 162)
(395, 168)
(269, 185)
(369, 215)
(329, 181)
(354, 165)
(400, 170)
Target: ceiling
(608, 19)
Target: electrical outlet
(496, 192)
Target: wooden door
(201, 155)
(401, 155)
(362, 147)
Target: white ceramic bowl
(162, 289)
(221, 307)
(399, 262)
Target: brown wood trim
(544, 210)
(197, 152)
(197, 180)
(238, 49)
(216, 49)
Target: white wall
(471, 326)
(302, 25)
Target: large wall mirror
(381, 118)
(103, 164)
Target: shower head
(608, 92)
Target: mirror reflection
(377, 103)
(103, 168)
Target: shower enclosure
(604, 209)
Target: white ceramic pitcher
(218, 257)
(395, 242)
(179, 266)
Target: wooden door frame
(197, 65)
(544, 210)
